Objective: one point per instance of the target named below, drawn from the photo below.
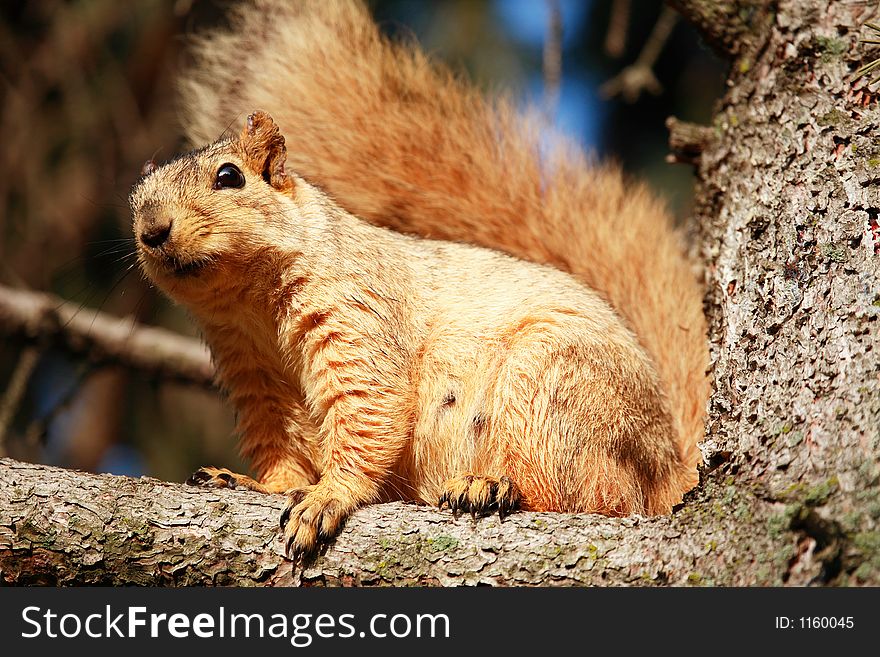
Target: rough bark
(787, 225)
(731, 27)
(64, 527)
(787, 217)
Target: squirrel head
(215, 210)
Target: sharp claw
(501, 497)
(285, 515)
(198, 477)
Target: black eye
(229, 176)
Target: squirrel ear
(265, 151)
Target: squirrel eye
(229, 176)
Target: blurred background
(88, 96)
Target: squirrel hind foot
(480, 495)
(210, 477)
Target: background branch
(552, 59)
(615, 38)
(15, 390)
(639, 76)
(102, 338)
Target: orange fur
(368, 365)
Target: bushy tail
(401, 142)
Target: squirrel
(408, 296)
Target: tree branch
(639, 76)
(687, 141)
(15, 390)
(552, 59)
(102, 338)
(64, 527)
(615, 38)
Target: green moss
(711, 545)
(786, 554)
(729, 495)
(851, 521)
(795, 438)
(863, 572)
(552, 551)
(819, 494)
(834, 117)
(762, 573)
(833, 252)
(791, 491)
(804, 494)
(782, 430)
(442, 543)
(830, 48)
(780, 523)
(874, 162)
(745, 65)
(695, 579)
(868, 543)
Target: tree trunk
(787, 209)
(787, 226)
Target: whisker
(134, 316)
(131, 254)
(114, 250)
(109, 292)
(118, 239)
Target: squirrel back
(403, 143)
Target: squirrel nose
(156, 233)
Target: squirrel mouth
(172, 265)
(185, 268)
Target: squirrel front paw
(480, 495)
(313, 515)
